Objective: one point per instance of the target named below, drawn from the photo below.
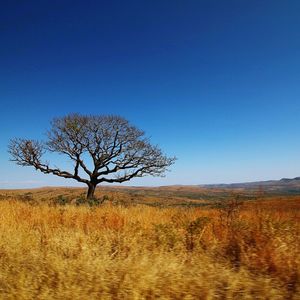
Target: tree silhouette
(103, 148)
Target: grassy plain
(170, 243)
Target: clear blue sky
(216, 83)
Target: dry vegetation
(232, 251)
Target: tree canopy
(103, 148)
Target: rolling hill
(282, 186)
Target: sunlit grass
(250, 251)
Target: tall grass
(249, 251)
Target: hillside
(282, 186)
(176, 195)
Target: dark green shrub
(61, 200)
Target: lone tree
(102, 149)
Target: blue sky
(215, 83)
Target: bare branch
(29, 153)
(118, 150)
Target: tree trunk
(91, 191)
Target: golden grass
(114, 252)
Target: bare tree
(103, 149)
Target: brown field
(51, 248)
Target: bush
(61, 200)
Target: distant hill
(172, 195)
(282, 186)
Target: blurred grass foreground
(247, 250)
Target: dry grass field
(117, 250)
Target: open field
(51, 248)
(165, 196)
